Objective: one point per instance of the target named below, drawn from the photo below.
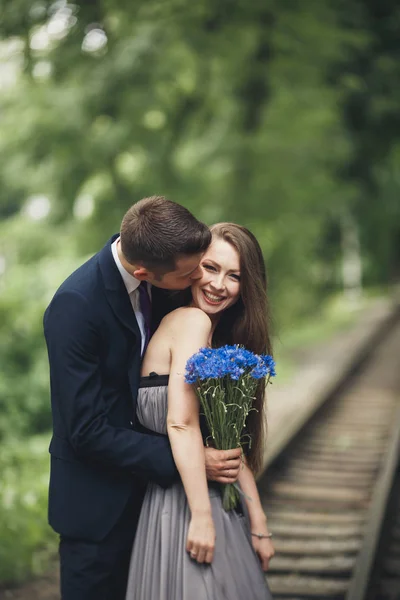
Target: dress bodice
(152, 403)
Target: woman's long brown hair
(247, 322)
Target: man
(96, 328)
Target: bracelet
(262, 536)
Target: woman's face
(219, 286)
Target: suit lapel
(119, 301)
(115, 289)
(122, 308)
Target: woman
(187, 547)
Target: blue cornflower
(227, 361)
(227, 376)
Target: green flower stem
(230, 496)
(226, 404)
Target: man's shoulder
(86, 278)
(83, 279)
(80, 290)
(87, 275)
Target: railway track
(327, 492)
(385, 577)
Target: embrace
(134, 490)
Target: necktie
(145, 307)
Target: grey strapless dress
(160, 568)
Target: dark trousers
(99, 570)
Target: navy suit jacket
(100, 456)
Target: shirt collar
(131, 283)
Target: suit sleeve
(72, 342)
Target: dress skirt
(161, 568)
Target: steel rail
(376, 515)
(339, 566)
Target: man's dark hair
(155, 231)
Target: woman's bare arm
(258, 519)
(189, 330)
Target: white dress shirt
(131, 284)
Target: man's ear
(142, 274)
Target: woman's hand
(201, 538)
(264, 549)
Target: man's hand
(223, 465)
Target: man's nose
(197, 274)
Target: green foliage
(27, 541)
(33, 269)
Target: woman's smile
(212, 298)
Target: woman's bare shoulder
(187, 316)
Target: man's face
(186, 271)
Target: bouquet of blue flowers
(226, 380)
